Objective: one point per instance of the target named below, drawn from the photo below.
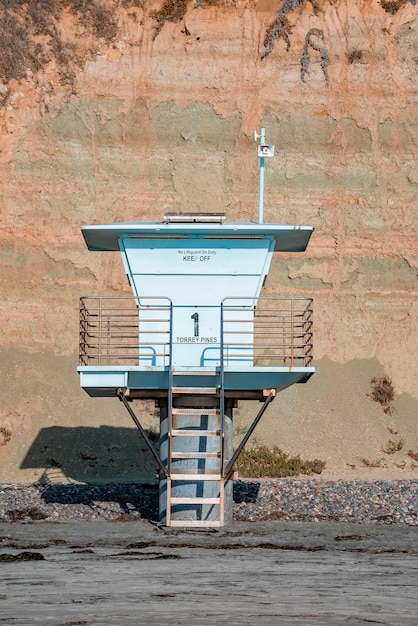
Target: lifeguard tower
(196, 336)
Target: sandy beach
(100, 572)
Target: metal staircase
(195, 481)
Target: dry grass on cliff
(5, 435)
(383, 393)
(171, 11)
(32, 37)
(32, 34)
(393, 6)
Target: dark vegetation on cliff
(383, 393)
(32, 37)
(393, 6)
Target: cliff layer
(121, 111)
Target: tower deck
(128, 343)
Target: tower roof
(105, 237)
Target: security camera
(265, 150)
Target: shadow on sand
(85, 465)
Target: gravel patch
(387, 502)
(378, 502)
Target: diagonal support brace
(232, 461)
(147, 440)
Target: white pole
(261, 194)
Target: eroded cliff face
(130, 109)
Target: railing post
(292, 331)
(82, 331)
(310, 330)
(99, 350)
(222, 385)
(108, 336)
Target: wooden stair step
(194, 411)
(195, 524)
(195, 500)
(184, 432)
(201, 391)
(195, 477)
(195, 455)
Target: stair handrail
(170, 390)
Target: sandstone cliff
(122, 110)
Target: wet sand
(262, 573)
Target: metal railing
(125, 330)
(274, 332)
(266, 331)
